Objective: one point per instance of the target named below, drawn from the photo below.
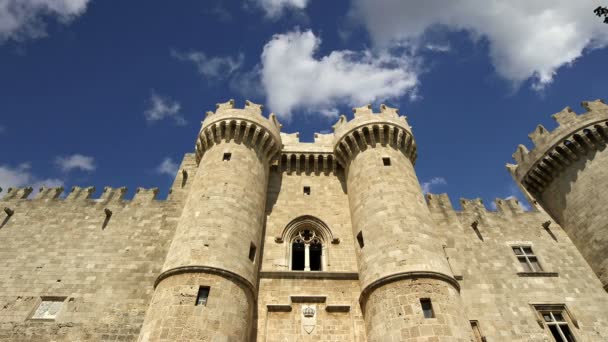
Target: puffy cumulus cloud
(162, 107)
(527, 39)
(212, 67)
(274, 8)
(22, 176)
(22, 19)
(427, 186)
(167, 167)
(292, 77)
(75, 162)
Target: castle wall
(494, 289)
(57, 247)
(580, 202)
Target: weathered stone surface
(127, 270)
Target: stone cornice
(206, 269)
(406, 275)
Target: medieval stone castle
(266, 238)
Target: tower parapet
(246, 125)
(400, 257)
(367, 128)
(564, 174)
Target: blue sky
(113, 92)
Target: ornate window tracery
(307, 244)
(306, 251)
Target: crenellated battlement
(80, 194)
(504, 206)
(555, 150)
(246, 125)
(368, 129)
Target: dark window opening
(360, 240)
(427, 308)
(477, 232)
(477, 332)
(315, 257)
(386, 161)
(252, 250)
(527, 259)
(555, 319)
(297, 256)
(203, 295)
(307, 190)
(227, 156)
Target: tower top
(368, 129)
(246, 125)
(555, 150)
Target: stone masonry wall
(579, 199)
(493, 288)
(57, 247)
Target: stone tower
(217, 241)
(399, 253)
(565, 174)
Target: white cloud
(168, 167)
(437, 47)
(527, 39)
(22, 176)
(293, 77)
(75, 162)
(212, 67)
(22, 19)
(329, 113)
(274, 8)
(161, 107)
(427, 186)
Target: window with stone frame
(557, 321)
(527, 259)
(307, 251)
(48, 308)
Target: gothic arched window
(306, 251)
(307, 244)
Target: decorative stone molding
(308, 162)
(368, 129)
(554, 151)
(206, 269)
(306, 222)
(407, 275)
(246, 126)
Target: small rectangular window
(307, 190)
(252, 250)
(427, 308)
(48, 308)
(360, 240)
(386, 161)
(527, 259)
(477, 332)
(556, 318)
(202, 296)
(227, 156)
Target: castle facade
(266, 238)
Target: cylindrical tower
(566, 175)
(407, 287)
(207, 288)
